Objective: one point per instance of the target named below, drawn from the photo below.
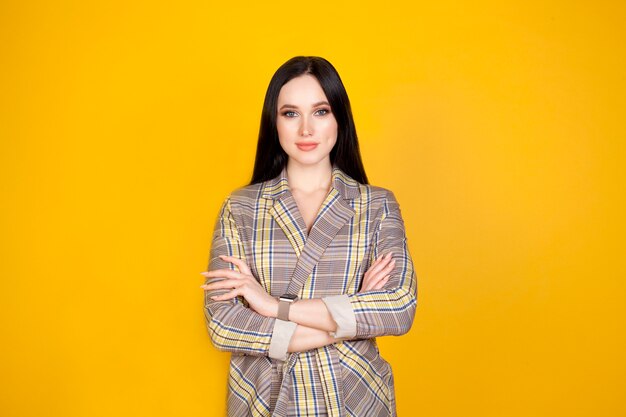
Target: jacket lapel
(286, 214)
(334, 213)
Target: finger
(387, 263)
(370, 280)
(381, 280)
(223, 273)
(377, 270)
(374, 285)
(380, 284)
(390, 266)
(241, 264)
(227, 283)
(225, 296)
(365, 284)
(378, 274)
(243, 267)
(378, 267)
(375, 280)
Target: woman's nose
(306, 128)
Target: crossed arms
(384, 306)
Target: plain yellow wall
(498, 125)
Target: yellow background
(498, 125)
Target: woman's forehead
(304, 90)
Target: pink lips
(306, 146)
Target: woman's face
(307, 129)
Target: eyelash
(286, 112)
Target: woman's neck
(309, 179)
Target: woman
(309, 263)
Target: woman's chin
(309, 160)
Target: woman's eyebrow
(293, 106)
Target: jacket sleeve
(389, 310)
(232, 325)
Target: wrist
(274, 308)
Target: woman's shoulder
(245, 194)
(376, 193)
(374, 190)
(381, 200)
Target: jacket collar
(346, 185)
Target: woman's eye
(323, 112)
(289, 113)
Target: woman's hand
(242, 283)
(378, 273)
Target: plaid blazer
(356, 223)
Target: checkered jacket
(356, 223)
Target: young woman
(309, 263)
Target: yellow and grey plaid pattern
(261, 224)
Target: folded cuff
(342, 312)
(281, 336)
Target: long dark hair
(270, 156)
